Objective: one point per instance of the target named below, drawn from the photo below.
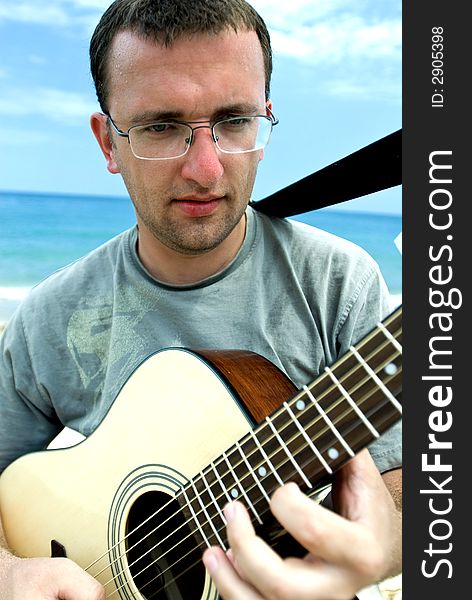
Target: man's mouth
(198, 206)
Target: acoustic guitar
(137, 502)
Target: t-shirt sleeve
(27, 420)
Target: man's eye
(239, 121)
(159, 127)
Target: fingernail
(211, 563)
(229, 511)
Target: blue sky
(336, 88)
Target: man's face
(192, 203)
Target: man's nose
(202, 162)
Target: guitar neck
(309, 437)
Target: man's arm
(393, 481)
(44, 578)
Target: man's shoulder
(308, 241)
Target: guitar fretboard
(310, 437)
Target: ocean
(39, 233)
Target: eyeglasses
(165, 140)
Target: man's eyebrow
(242, 108)
(149, 116)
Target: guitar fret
(351, 402)
(354, 378)
(223, 487)
(390, 337)
(209, 520)
(194, 516)
(251, 506)
(377, 380)
(236, 478)
(317, 430)
(212, 496)
(267, 459)
(308, 440)
(288, 453)
(258, 465)
(251, 470)
(328, 421)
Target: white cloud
(312, 30)
(29, 12)
(97, 4)
(22, 137)
(54, 13)
(56, 105)
(356, 47)
(355, 42)
(279, 13)
(348, 37)
(380, 88)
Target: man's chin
(197, 238)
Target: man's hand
(346, 551)
(47, 579)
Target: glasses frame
(200, 125)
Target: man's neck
(174, 268)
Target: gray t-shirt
(294, 294)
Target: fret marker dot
(300, 405)
(391, 369)
(262, 471)
(234, 493)
(333, 453)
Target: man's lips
(198, 206)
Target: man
(184, 90)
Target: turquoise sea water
(40, 233)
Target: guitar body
(173, 416)
(137, 502)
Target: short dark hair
(165, 21)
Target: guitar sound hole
(163, 555)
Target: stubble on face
(201, 234)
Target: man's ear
(98, 123)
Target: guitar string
(293, 401)
(351, 427)
(367, 339)
(195, 563)
(326, 392)
(326, 429)
(303, 448)
(389, 321)
(221, 529)
(198, 547)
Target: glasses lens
(159, 140)
(242, 134)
